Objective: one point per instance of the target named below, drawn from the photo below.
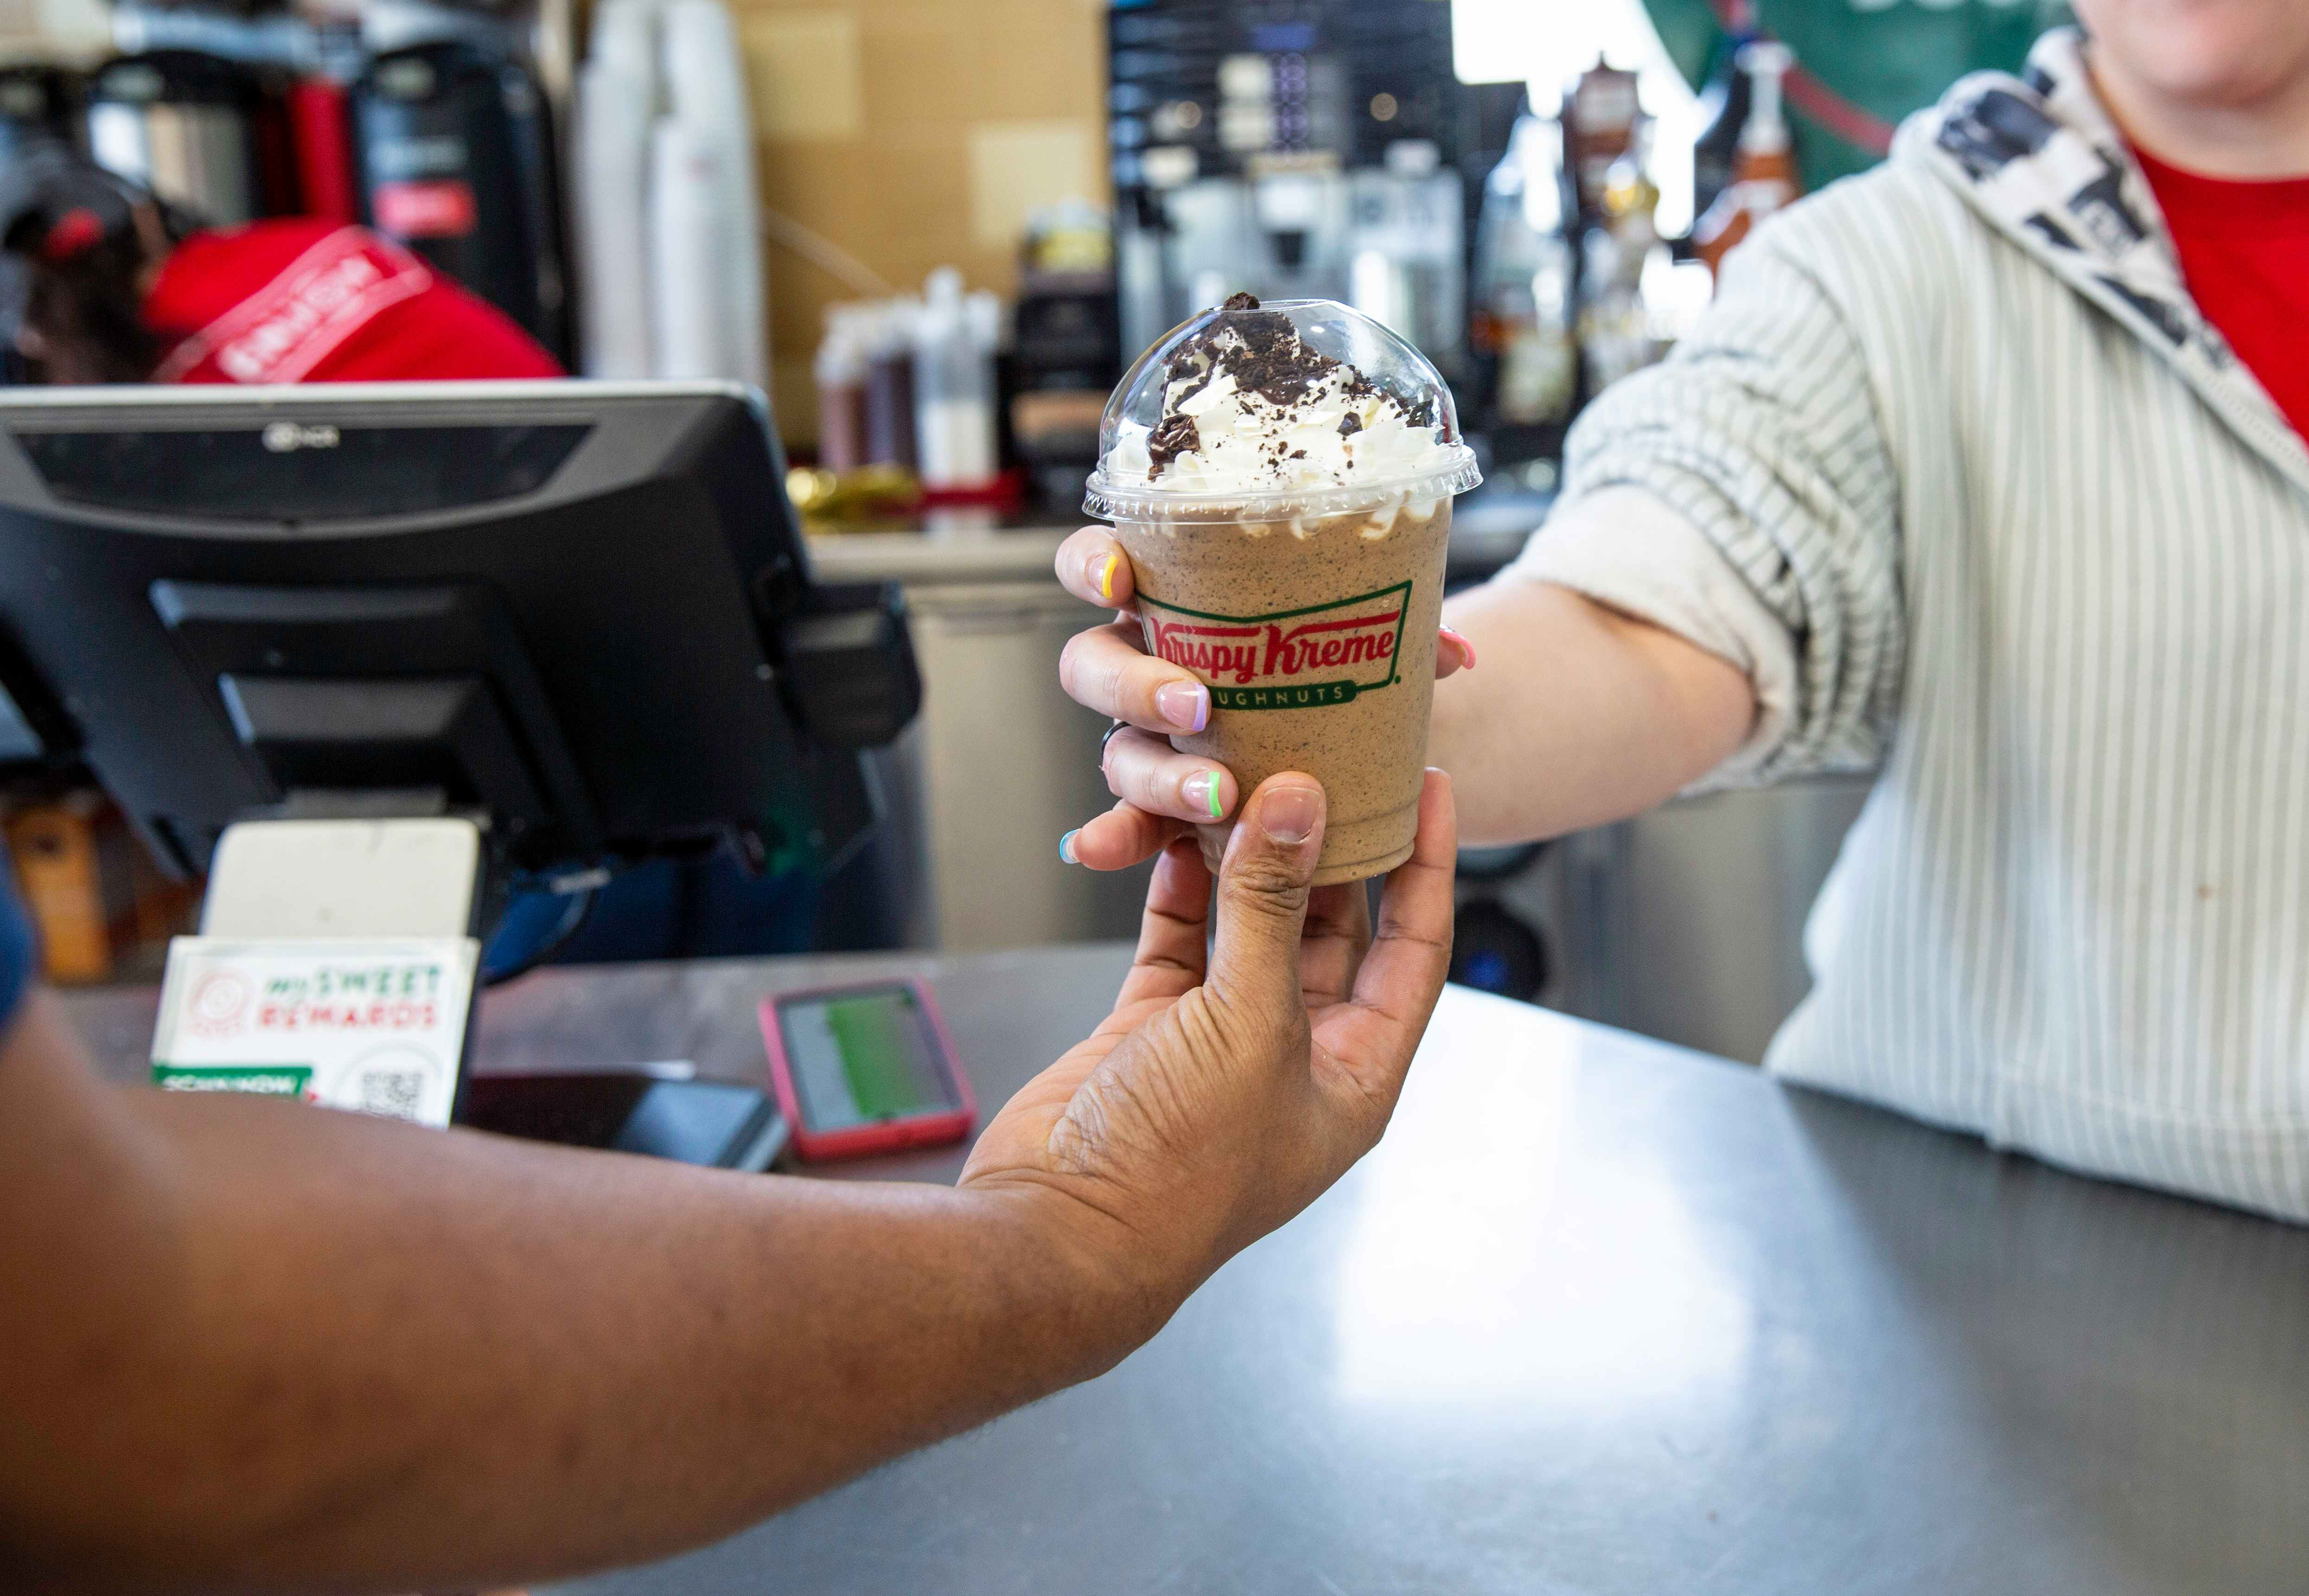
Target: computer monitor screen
(582, 610)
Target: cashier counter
(1597, 1315)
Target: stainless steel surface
(1598, 1315)
(960, 551)
(194, 155)
(1007, 765)
(1001, 763)
(1694, 916)
(1489, 527)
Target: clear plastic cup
(1280, 477)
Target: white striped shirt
(1957, 472)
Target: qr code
(392, 1092)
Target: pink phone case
(887, 1136)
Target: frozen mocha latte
(1280, 477)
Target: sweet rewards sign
(1289, 659)
(377, 1027)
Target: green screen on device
(862, 1058)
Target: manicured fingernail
(1467, 649)
(1186, 704)
(1202, 790)
(1066, 847)
(1106, 577)
(1287, 814)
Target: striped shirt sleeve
(1761, 430)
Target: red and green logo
(1291, 659)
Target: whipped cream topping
(1249, 408)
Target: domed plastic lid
(1297, 407)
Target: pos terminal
(575, 618)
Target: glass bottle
(1522, 297)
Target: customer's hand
(1164, 793)
(1224, 1093)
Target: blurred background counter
(932, 233)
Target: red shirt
(307, 301)
(2244, 253)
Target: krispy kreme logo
(1293, 659)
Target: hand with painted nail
(1229, 1087)
(1162, 793)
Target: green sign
(263, 1081)
(1863, 64)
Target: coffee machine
(201, 131)
(1293, 149)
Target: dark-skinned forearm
(715, 1346)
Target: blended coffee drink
(1280, 477)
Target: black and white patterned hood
(2039, 156)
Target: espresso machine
(1292, 149)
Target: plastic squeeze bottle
(1764, 175)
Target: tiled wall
(912, 134)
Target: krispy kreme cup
(1304, 594)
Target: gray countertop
(1488, 530)
(1598, 1316)
(960, 553)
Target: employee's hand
(1164, 793)
(1225, 1092)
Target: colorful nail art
(1185, 705)
(1202, 791)
(1067, 847)
(1106, 579)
